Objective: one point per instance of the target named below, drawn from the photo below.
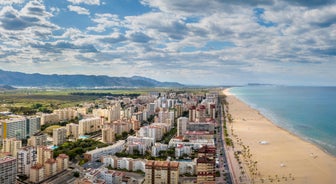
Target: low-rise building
(195, 144)
(109, 150)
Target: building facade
(164, 172)
(8, 170)
(59, 136)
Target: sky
(215, 42)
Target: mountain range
(41, 80)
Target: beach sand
(284, 156)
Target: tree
(76, 174)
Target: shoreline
(283, 155)
(302, 137)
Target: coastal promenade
(278, 156)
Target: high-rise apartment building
(49, 118)
(59, 136)
(72, 130)
(43, 154)
(89, 125)
(20, 128)
(206, 165)
(8, 170)
(66, 114)
(62, 162)
(36, 173)
(26, 158)
(11, 145)
(38, 140)
(161, 172)
(114, 112)
(50, 167)
(108, 135)
(182, 123)
(192, 113)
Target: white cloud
(105, 21)
(9, 2)
(89, 2)
(79, 10)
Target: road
(237, 177)
(223, 167)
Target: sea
(308, 112)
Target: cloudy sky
(214, 42)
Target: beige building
(205, 166)
(121, 126)
(135, 124)
(108, 135)
(163, 172)
(50, 167)
(66, 114)
(62, 162)
(11, 145)
(49, 118)
(36, 173)
(59, 136)
(89, 125)
(72, 130)
(43, 154)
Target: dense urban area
(165, 136)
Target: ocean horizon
(307, 112)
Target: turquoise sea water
(308, 112)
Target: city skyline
(193, 42)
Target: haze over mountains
(42, 80)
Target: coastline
(281, 155)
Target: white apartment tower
(26, 158)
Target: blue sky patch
(258, 13)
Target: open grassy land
(52, 99)
(29, 101)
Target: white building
(123, 163)
(26, 158)
(110, 150)
(195, 144)
(157, 148)
(181, 150)
(187, 167)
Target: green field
(48, 100)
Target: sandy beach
(281, 156)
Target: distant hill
(41, 80)
(6, 87)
